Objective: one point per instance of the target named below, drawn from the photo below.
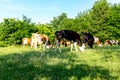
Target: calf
(71, 36)
(88, 38)
(26, 41)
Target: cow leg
(71, 47)
(90, 44)
(45, 45)
(75, 45)
(82, 48)
(58, 45)
(32, 44)
(35, 45)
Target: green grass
(21, 63)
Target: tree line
(102, 20)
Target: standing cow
(71, 36)
(39, 39)
(88, 38)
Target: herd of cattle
(66, 37)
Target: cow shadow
(45, 65)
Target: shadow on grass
(37, 65)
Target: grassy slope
(21, 63)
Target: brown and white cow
(45, 40)
(71, 36)
(26, 41)
(39, 39)
(97, 41)
(111, 42)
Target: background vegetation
(102, 20)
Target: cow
(88, 39)
(46, 41)
(71, 36)
(116, 42)
(97, 41)
(107, 42)
(111, 42)
(26, 41)
(39, 39)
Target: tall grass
(22, 63)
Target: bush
(2, 44)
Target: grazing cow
(71, 36)
(97, 41)
(26, 41)
(88, 38)
(45, 40)
(111, 42)
(39, 39)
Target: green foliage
(83, 22)
(68, 24)
(12, 30)
(58, 21)
(114, 20)
(2, 44)
(47, 30)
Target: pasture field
(21, 63)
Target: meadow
(22, 63)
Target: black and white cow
(88, 39)
(70, 35)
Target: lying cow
(26, 41)
(39, 39)
(88, 39)
(111, 42)
(71, 36)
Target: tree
(82, 22)
(46, 29)
(13, 30)
(114, 21)
(100, 15)
(57, 22)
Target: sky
(43, 11)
